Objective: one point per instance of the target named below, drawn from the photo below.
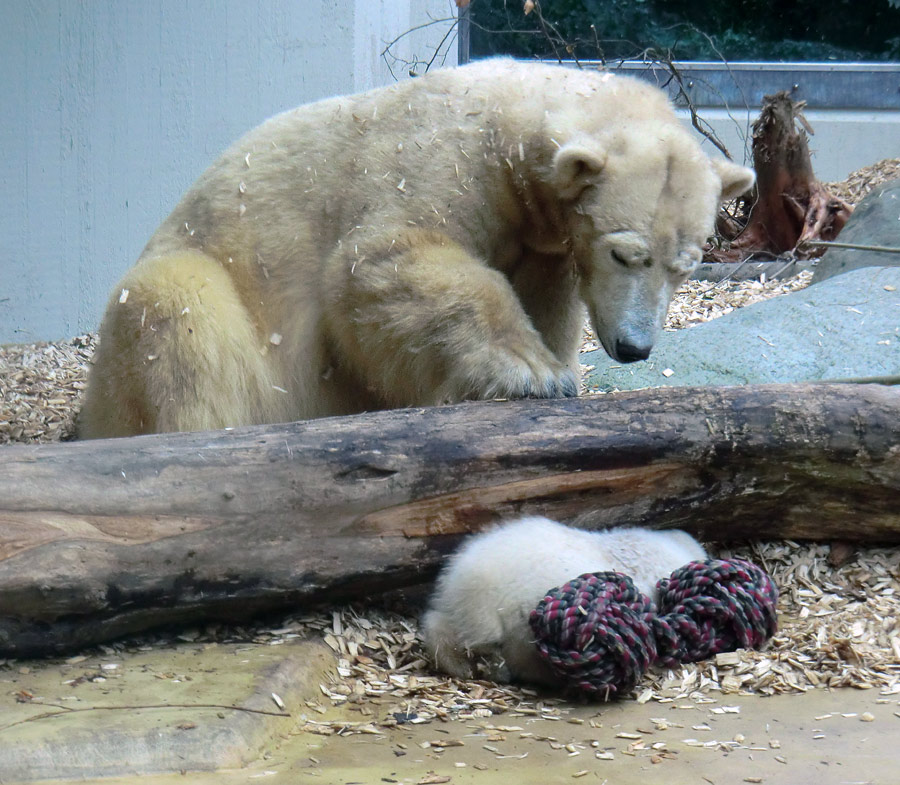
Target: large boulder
(875, 221)
(846, 327)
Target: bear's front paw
(513, 377)
(563, 384)
(535, 380)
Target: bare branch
(545, 28)
(392, 60)
(852, 246)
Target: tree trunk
(103, 538)
(792, 207)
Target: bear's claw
(562, 385)
(519, 382)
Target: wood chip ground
(838, 608)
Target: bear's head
(641, 204)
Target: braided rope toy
(600, 634)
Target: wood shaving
(860, 182)
(40, 388)
(702, 301)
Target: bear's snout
(626, 352)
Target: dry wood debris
(40, 388)
(702, 301)
(860, 182)
(838, 624)
(838, 628)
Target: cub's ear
(575, 167)
(736, 180)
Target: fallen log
(100, 539)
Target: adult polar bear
(427, 242)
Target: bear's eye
(617, 257)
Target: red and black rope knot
(600, 634)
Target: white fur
(477, 624)
(436, 240)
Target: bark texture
(100, 539)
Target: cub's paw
(491, 666)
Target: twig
(886, 380)
(782, 269)
(600, 53)
(450, 31)
(852, 246)
(730, 275)
(422, 26)
(545, 30)
(387, 52)
(737, 84)
(696, 121)
(66, 710)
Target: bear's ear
(575, 167)
(736, 180)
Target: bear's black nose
(629, 353)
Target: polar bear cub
(477, 622)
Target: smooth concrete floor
(843, 737)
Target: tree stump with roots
(791, 209)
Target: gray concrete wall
(844, 140)
(109, 109)
(852, 108)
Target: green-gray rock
(845, 327)
(875, 221)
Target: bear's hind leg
(423, 322)
(178, 352)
